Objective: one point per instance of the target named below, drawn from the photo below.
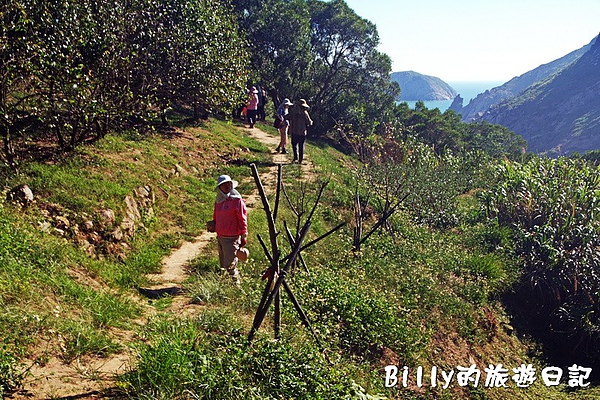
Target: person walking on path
(299, 121)
(262, 102)
(252, 107)
(282, 111)
(231, 225)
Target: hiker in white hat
(231, 225)
(282, 124)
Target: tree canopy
(323, 52)
(74, 70)
(79, 68)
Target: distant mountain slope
(415, 86)
(561, 114)
(480, 105)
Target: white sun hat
(224, 179)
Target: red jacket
(231, 217)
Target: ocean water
(466, 90)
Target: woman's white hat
(224, 179)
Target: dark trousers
(298, 147)
(251, 116)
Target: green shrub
(553, 205)
(182, 360)
(10, 374)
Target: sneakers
(283, 151)
(277, 149)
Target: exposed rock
(89, 249)
(457, 104)
(132, 210)
(117, 234)
(106, 236)
(45, 226)
(62, 222)
(106, 218)
(479, 106)
(415, 86)
(21, 195)
(561, 114)
(87, 226)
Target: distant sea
(466, 90)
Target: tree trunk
(9, 151)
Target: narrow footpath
(87, 380)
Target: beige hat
(242, 254)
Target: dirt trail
(174, 266)
(87, 378)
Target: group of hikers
(292, 118)
(230, 215)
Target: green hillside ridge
(421, 297)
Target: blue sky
(479, 40)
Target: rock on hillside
(477, 107)
(415, 86)
(561, 114)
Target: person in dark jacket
(299, 120)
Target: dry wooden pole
(302, 314)
(312, 242)
(323, 185)
(270, 220)
(386, 215)
(278, 191)
(273, 238)
(269, 277)
(261, 313)
(265, 250)
(276, 275)
(292, 242)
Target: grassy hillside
(414, 296)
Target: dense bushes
(183, 359)
(76, 69)
(553, 206)
(428, 184)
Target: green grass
(426, 295)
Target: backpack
(278, 121)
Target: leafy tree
(445, 131)
(16, 54)
(78, 68)
(186, 50)
(72, 76)
(325, 53)
(495, 140)
(351, 82)
(279, 39)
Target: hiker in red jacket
(231, 224)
